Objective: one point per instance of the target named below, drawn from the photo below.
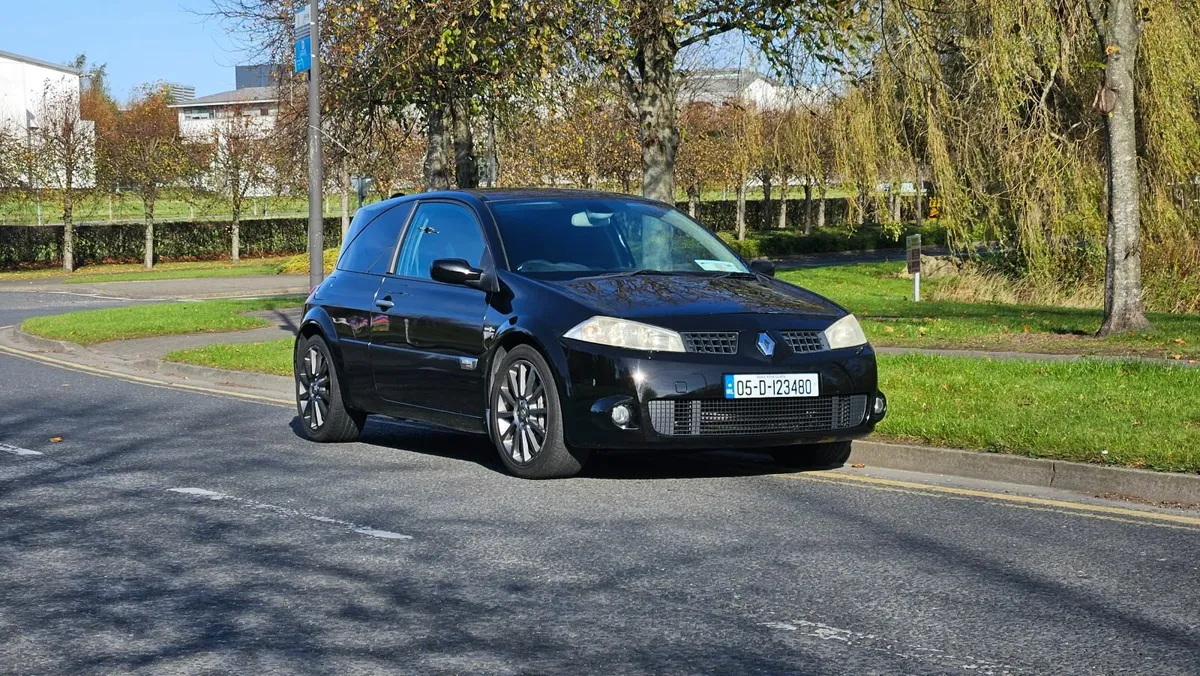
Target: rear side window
(371, 251)
(439, 230)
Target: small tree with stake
(149, 153)
(62, 155)
(241, 151)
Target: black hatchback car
(562, 322)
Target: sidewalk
(171, 289)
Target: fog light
(880, 406)
(621, 415)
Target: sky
(140, 40)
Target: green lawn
(273, 357)
(890, 318)
(160, 319)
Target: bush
(40, 246)
(829, 239)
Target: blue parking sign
(303, 53)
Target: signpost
(914, 264)
(308, 59)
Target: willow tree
(1043, 121)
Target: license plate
(769, 385)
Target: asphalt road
(181, 532)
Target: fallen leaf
(1026, 329)
(1180, 341)
(858, 465)
(1177, 357)
(889, 329)
(56, 440)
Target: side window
(439, 230)
(371, 251)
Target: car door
(428, 356)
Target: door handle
(385, 303)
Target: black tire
(813, 456)
(517, 427)
(325, 416)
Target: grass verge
(1117, 413)
(884, 305)
(161, 319)
(128, 272)
(273, 357)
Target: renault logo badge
(766, 344)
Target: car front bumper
(678, 400)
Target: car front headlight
(625, 333)
(845, 332)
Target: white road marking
(874, 643)
(17, 451)
(285, 511)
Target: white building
(27, 87)
(24, 83)
(721, 85)
(199, 119)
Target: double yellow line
(1105, 512)
(152, 382)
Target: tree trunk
(345, 198)
(693, 200)
(1123, 310)
(808, 207)
(68, 228)
(436, 174)
(466, 173)
(658, 117)
(110, 211)
(493, 165)
(896, 203)
(821, 206)
(741, 210)
(783, 209)
(149, 247)
(235, 234)
(766, 185)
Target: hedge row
(829, 239)
(32, 246)
(721, 216)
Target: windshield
(579, 236)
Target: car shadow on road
(609, 465)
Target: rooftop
(38, 62)
(246, 95)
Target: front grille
(712, 342)
(804, 341)
(716, 417)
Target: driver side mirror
(457, 271)
(763, 267)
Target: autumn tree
(241, 152)
(743, 148)
(639, 41)
(63, 154)
(148, 153)
(700, 162)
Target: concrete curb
(1072, 476)
(257, 381)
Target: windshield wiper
(636, 273)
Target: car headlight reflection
(845, 332)
(628, 334)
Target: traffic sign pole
(309, 46)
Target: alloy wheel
(313, 389)
(520, 416)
